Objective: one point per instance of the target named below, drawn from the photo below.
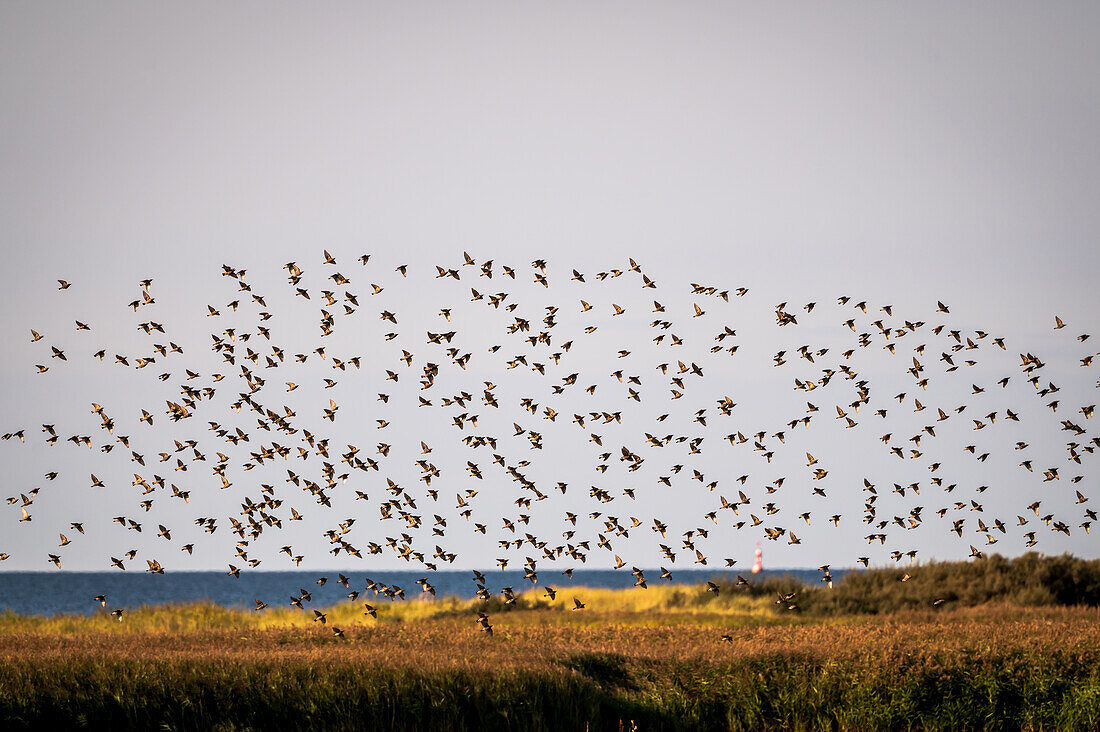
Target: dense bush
(1028, 580)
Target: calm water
(50, 593)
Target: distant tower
(758, 563)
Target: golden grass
(684, 603)
(657, 623)
(539, 638)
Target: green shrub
(1030, 580)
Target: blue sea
(52, 593)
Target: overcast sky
(899, 154)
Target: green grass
(598, 691)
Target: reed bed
(626, 661)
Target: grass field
(652, 659)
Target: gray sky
(898, 154)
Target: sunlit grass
(661, 603)
(1031, 580)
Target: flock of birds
(625, 437)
